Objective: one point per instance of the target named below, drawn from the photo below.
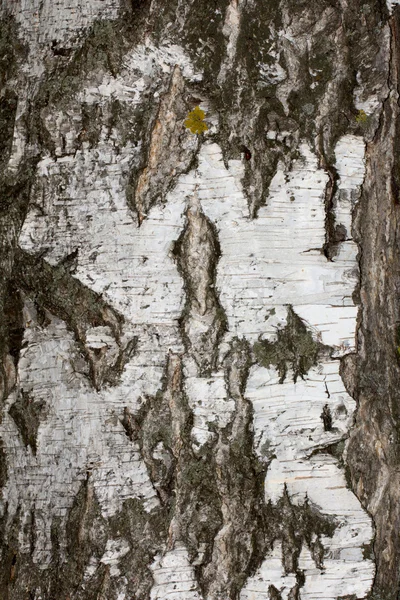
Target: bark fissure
(170, 151)
(203, 321)
(239, 545)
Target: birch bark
(200, 332)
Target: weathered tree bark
(199, 331)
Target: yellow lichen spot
(195, 121)
(361, 117)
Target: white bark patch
(320, 480)
(337, 580)
(317, 585)
(208, 400)
(276, 259)
(165, 56)
(174, 577)
(143, 62)
(270, 573)
(337, 324)
(81, 434)
(130, 266)
(115, 550)
(267, 264)
(287, 416)
(43, 21)
(288, 426)
(391, 4)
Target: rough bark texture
(199, 333)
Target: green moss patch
(294, 349)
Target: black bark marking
(27, 414)
(240, 484)
(326, 417)
(3, 467)
(197, 505)
(55, 289)
(331, 246)
(295, 526)
(92, 119)
(147, 535)
(14, 323)
(151, 428)
(186, 482)
(8, 109)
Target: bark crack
(170, 151)
(203, 321)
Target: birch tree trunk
(200, 273)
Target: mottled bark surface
(199, 333)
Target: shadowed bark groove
(26, 414)
(240, 543)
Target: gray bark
(199, 332)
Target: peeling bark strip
(187, 409)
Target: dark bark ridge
(197, 251)
(373, 375)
